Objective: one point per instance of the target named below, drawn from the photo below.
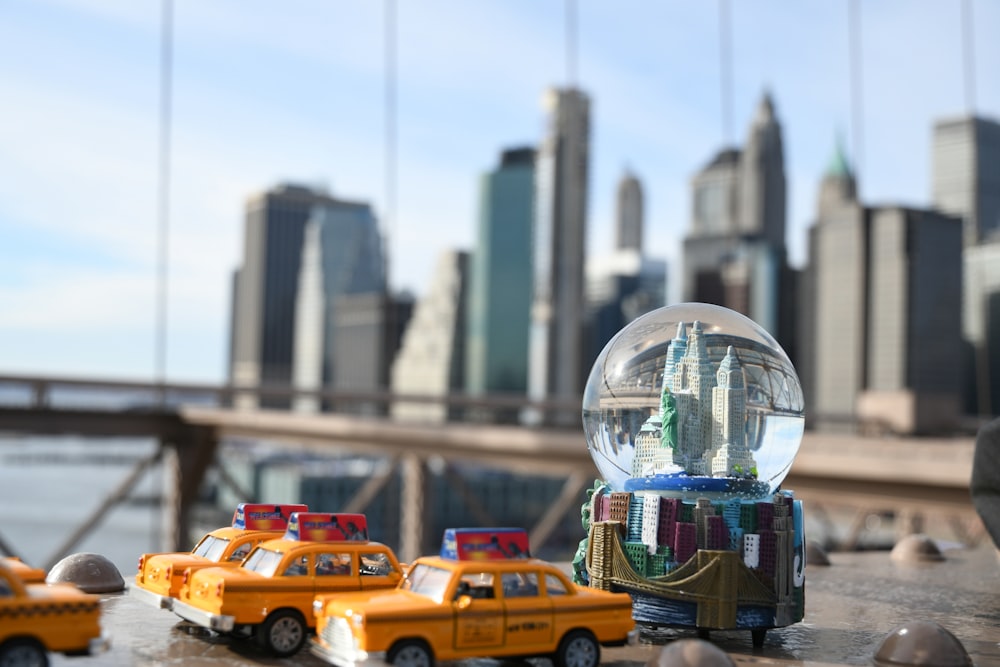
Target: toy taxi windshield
(263, 561)
(211, 547)
(428, 581)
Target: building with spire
(556, 339)
(629, 213)
(729, 419)
(735, 253)
(882, 329)
(830, 341)
(624, 283)
(761, 204)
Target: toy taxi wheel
(577, 649)
(283, 633)
(23, 653)
(411, 653)
(758, 637)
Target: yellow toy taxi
(160, 576)
(270, 595)
(38, 618)
(27, 573)
(483, 596)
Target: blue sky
(268, 92)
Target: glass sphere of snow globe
(693, 400)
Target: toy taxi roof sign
(485, 544)
(326, 527)
(258, 516)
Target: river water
(51, 486)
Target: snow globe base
(748, 576)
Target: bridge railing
(67, 393)
(116, 396)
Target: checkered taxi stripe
(46, 610)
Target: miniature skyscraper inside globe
(693, 414)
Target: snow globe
(693, 415)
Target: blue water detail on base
(696, 483)
(656, 610)
(754, 616)
(662, 611)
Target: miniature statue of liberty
(668, 419)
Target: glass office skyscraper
(500, 278)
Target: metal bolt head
(916, 549)
(91, 573)
(922, 644)
(691, 653)
(815, 554)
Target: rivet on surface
(691, 653)
(91, 573)
(924, 644)
(815, 554)
(916, 548)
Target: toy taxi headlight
(318, 607)
(357, 619)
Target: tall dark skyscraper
(556, 357)
(966, 183)
(266, 287)
(966, 179)
(762, 178)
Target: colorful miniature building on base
(723, 566)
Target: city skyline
(265, 96)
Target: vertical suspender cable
(857, 103)
(726, 71)
(163, 217)
(969, 57)
(391, 335)
(571, 36)
(163, 192)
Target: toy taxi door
(528, 612)
(479, 618)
